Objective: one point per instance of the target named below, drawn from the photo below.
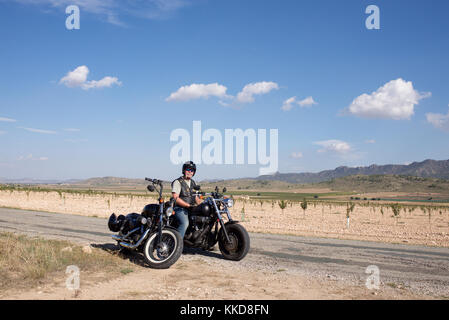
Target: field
(328, 215)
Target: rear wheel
(238, 246)
(166, 253)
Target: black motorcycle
(150, 231)
(207, 226)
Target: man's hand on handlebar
(179, 202)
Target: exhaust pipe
(128, 245)
(116, 238)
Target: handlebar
(155, 184)
(215, 195)
(155, 181)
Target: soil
(198, 278)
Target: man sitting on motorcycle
(182, 189)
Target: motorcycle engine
(132, 221)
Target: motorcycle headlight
(169, 211)
(229, 202)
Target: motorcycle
(207, 226)
(150, 232)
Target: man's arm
(176, 190)
(179, 201)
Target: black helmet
(188, 165)
(115, 223)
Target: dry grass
(26, 262)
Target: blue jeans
(182, 217)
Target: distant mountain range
(38, 181)
(426, 169)
(112, 181)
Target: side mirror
(197, 187)
(150, 188)
(224, 189)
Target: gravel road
(419, 269)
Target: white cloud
(78, 78)
(224, 104)
(438, 120)
(155, 9)
(2, 132)
(30, 157)
(250, 90)
(198, 91)
(296, 155)
(106, 82)
(395, 100)
(7, 119)
(112, 10)
(205, 91)
(336, 146)
(370, 141)
(72, 130)
(38, 130)
(288, 104)
(307, 102)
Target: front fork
(159, 230)
(220, 219)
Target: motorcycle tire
(239, 245)
(169, 252)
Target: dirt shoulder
(197, 278)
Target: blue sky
(95, 101)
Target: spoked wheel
(166, 252)
(238, 246)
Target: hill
(383, 183)
(112, 181)
(438, 169)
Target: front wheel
(166, 253)
(238, 246)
